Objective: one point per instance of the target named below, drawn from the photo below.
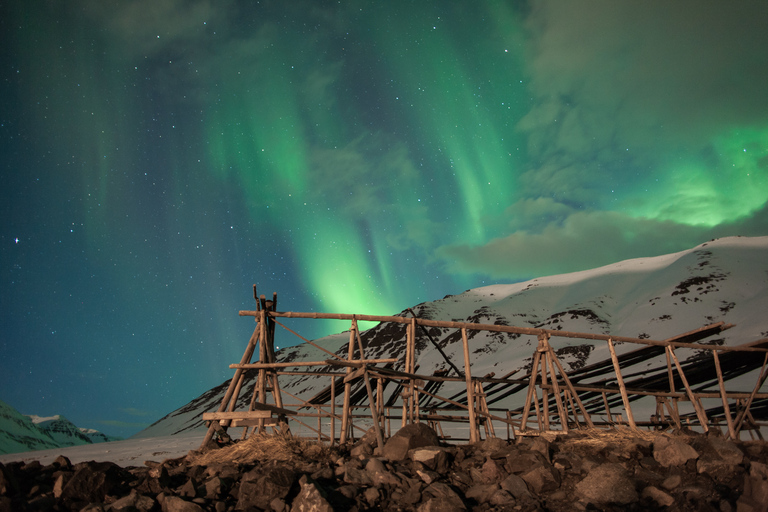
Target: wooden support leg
(622, 388)
(695, 401)
(531, 393)
(473, 432)
(724, 397)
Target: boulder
(755, 495)
(260, 486)
(657, 495)
(177, 504)
(92, 481)
(607, 483)
(516, 486)
(671, 452)
(311, 498)
(407, 438)
(542, 479)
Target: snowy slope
(722, 280)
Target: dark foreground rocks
(625, 472)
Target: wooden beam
(724, 396)
(473, 434)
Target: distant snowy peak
(724, 280)
(20, 433)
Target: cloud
(623, 89)
(585, 240)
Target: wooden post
(724, 396)
(556, 388)
(622, 388)
(745, 410)
(694, 401)
(568, 384)
(374, 416)
(607, 407)
(544, 381)
(473, 433)
(531, 393)
(333, 411)
(348, 386)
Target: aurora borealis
(161, 156)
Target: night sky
(159, 157)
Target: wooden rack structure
(553, 396)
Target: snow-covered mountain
(19, 433)
(725, 280)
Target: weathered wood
(569, 385)
(763, 374)
(473, 434)
(622, 388)
(347, 386)
(531, 392)
(716, 327)
(249, 349)
(236, 415)
(724, 396)
(696, 404)
(374, 414)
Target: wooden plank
(236, 415)
(374, 414)
(253, 423)
(622, 389)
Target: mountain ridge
(658, 298)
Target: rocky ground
(617, 470)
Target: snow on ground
(131, 452)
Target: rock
(310, 498)
(670, 452)
(726, 450)
(523, 461)
(428, 476)
(434, 457)
(359, 477)
(188, 490)
(92, 481)
(441, 498)
(379, 473)
(755, 495)
(407, 438)
(542, 479)
(516, 486)
(482, 493)
(671, 482)
(657, 495)
(176, 504)
(542, 446)
(491, 471)
(502, 498)
(607, 483)
(134, 502)
(371, 495)
(441, 505)
(60, 483)
(260, 486)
